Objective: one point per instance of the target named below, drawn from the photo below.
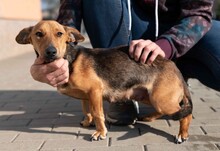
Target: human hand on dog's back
(54, 73)
(145, 51)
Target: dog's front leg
(96, 108)
(88, 119)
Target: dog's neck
(71, 53)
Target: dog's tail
(186, 105)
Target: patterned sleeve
(70, 13)
(194, 22)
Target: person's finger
(154, 55)
(139, 49)
(133, 46)
(62, 79)
(56, 64)
(144, 55)
(61, 74)
(149, 46)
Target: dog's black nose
(51, 52)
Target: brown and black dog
(110, 74)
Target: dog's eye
(39, 34)
(59, 34)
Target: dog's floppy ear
(24, 36)
(74, 35)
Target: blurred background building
(50, 8)
(14, 16)
(17, 14)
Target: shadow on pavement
(48, 112)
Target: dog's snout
(51, 52)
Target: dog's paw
(179, 139)
(98, 136)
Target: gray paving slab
(183, 147)
(33, 116)
(21, 146)
(113, 148)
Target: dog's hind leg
(183, 131)
(184, 115)
(88, 119)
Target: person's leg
(106, 22)
(203, 60)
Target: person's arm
(70, 13)
(194, 22)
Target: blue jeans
(106, 22)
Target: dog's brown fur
(97, 74)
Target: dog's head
(49, 39)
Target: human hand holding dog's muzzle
(54, 73)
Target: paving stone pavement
(34, 117)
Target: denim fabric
(108, 24)
(108, 27)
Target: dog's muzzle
(50, 54)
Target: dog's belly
(140, 94)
